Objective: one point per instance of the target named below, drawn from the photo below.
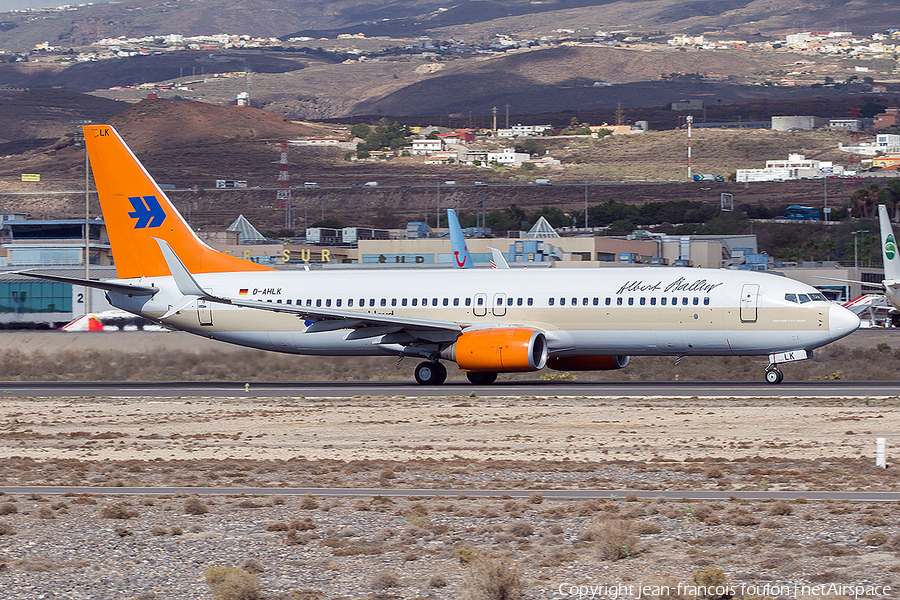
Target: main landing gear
(774, 375)
(480, 378)
(431, 373)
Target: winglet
(498, 261)
(186, 283)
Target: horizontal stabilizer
(122, 288)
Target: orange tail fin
(136, 211)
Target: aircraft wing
(351, 319)
(862, 283)
(343, 319)
(122, 288)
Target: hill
(84, 24)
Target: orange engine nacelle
(499, 350)
(587, 363)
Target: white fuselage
(615, 311)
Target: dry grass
(231, 583)
(489, 578)
(613, 538)
(257, 365)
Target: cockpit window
(790, 297)
(804, 298)
(818, 297)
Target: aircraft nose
(841, 322)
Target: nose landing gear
(774, 375)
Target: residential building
(796, 166)
(803, 123)
(888, 118)
(427, 146)
(508, 157)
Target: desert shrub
(873, 521)
(308, 503)
(277, 527)
(703, 512)
(875, 538)
(383, 580)
(6, 528)
(741, 518)
(491, 579)
(232, 583)
(251, 565)
(194, 528)
(772, 524)
(249, 504)
(613, 538)
(647, 528)
(277, 500)
(536, 498)
(292, 539)
(711, 584)
(781, 508)
(437, 581)
(195, 506)
(117, 510)
(304, 524)
(521, 529)
(466, 556)
(158, 530)
(8, 508)
(176, 531)
(45, 512)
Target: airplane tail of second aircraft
(888, 247)
(137, 213)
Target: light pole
(856, 258)
(585, 207)
(438, 206)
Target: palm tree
(811, 244)
(865, 198)
(828, 246)
(890, 195)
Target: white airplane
(486, 321)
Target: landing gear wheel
(431, 373)
(774, 376)
(481, 378)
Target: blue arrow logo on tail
(147, 211)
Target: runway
(455, 493)
(332, 389)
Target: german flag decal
(242, 292)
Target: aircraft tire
(431, 373)
(479, 378)
(774, 376)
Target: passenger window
(480, 301)
(608, 301)
(393, 302)
(684, 301)
(499, 301)
(803, 298)
(278, 301)
(643, 301)
(319, 302)
(328, 302)
(456, 302)
(509, 301)
(562, 301)
(706, 301)
(288, 301)
(434, 301)
(631, 302)
(596, 301)
(403, 302)
(414, 301)
(362, 302)
(574, 301)
(551, 301)
(350, 302)
(696, 301)
(371, 301)
(662, 301)
(519, 302)
(384, 301)
(652, 300)
(309, 302)
(337, 302)
(468, 302)
(446, 301)
(619, 301)
(530, 301)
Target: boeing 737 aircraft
(461, 257)
(486, 321)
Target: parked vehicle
(542, 181)
(311, 185)
(371, 184)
